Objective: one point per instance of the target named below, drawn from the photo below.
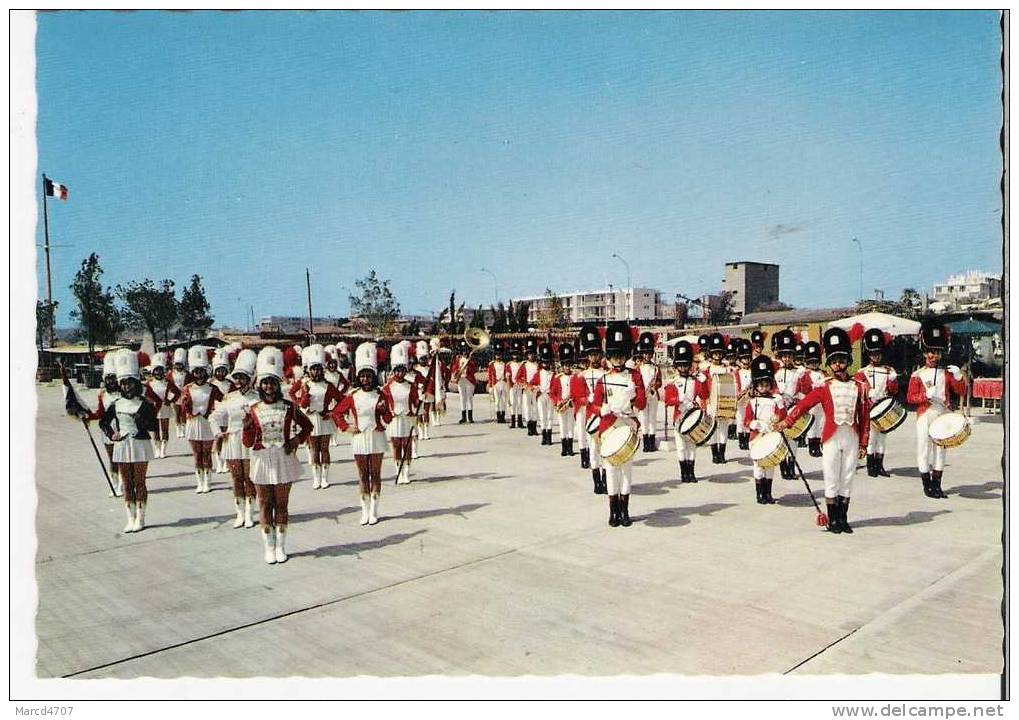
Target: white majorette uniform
(846, 427)
(762, 410)
(619, 396)
(542, 400)
(365, 414)
(565, 386)
(273, 430)
(162, 387)
(465, 371)
(129, 422)
(220, 362)
(516, 387)
(812, 378)
(198, 399)
(651, 374)
(590, 347)
(498, 387)
(787, 382)
(527, 378)
(437, 382)
(317, 397)
(402, 399)
(180, 377)
(715, 369)
(683, 394)
(931, 389)
(882, 381)
(107, 394)
(422, 370)
(230, 414)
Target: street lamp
(859, 246)
(495, 279)
(629, 286)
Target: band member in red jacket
(561, 394)
(718, 372)
(619, 396)
(402, 399)
(590, 347)
(683, 394)
(846, 426)
(317, 397)
(198, 400)
(180, 377)
(763, 410)
(528, 379)
(811, 378)
(273, 428)
(498, 387)
(163, 388)
(464, 375)
(932, 390)
(651, 376)
(787, 381)
(882, 381)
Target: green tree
(520, 313)
(551, 314)
(97, 311)
(195, 320)
(151, 307)
(375, 306)
(722, 313)
(910, 304)
(45, 318)
(500, 318)
(478, 320)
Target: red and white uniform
(271, 426)
(562, 388)
(317, 400)
(466, 369)
(368, 413)
(198, 402)
(743, 381)
(809, 381)
(436, 382)
(882, 381)
(103, 401)
(684, 394)
(527, 377)
(932, 390)
(498, 388)
(543, 400)
(845, 432)
(619, 395)
(651, 376)
(516, 389)
(787, 383)
(230, 414)
(403, 402)
(590, 377)
(166, 392)
(758, 415)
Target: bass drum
(799, 428)
(722, 398)
(886, 415)
(950, 430)
(768, 450)
(619, 443)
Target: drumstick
(822, 517)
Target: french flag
(56, 190)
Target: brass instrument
(563, 404)
(477, 339)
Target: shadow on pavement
(327, 514)
(677, 516)
(356, 548)
(655, 488)
(977, 492)
(455, 454)
(460, 510)
(911, 518)
(471, 476)
(190, 522)
(740, 476)
(799, 500)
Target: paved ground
(497, 560)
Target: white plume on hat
(422, 348)
(435, 343)
(158, 360)
(330, 352)
(366, 356)
(269, 363)
(219, 359)
(298, 349)
(109, 366)
(399, 355)
(313, 355)
(197, 357)
(245, 363)
(126, 364)
(342, 347)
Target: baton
(822, 517)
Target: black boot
(731, 432)
(759, 487)
(721, 454)
(871, 470)
(684, 473)
(569, 447)
(463, 417)
(549, 434)
(562, 452)
(624, 511)
(532, 428)
(693, 477)
(470, 416)
(604, 482)
(834, 520)
(768, 499)
(815, 447)
(926, 477)
(500, 417)
(714, 453)
(879, 464)
(585, 458)
(513, 422)
(614, 510)
(936, 490)
(744, 441)
(844, 515)
(801, 441)
(652, 443)
(596, 476)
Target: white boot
(139, 517)
(206, 475)
(401, 476)
(414, 449)
(373, 510)
(314, 478)
(323, 474)
(270, 546)
(248, 521)
(281, 543)
(239, 520)
(130, 509)
(364, 509)
(198, 481)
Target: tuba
(477, 339)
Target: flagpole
(46, 232)
(311, 323)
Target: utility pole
(49, 281)
(311, 323)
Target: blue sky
(248, 146)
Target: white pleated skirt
(164, 412)
(272, 466)
(131, 450)
(321, 425)
(198, 428)
(369, 442)
(401, 426)
(233, 448)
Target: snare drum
(768, 450)
(697, 426)
(722, 399)
(886, 415)
(619, 443)
(799, 428)
(950, 430)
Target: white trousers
(815, 430)
(516, 401)
(740, 415)
(649, 416)
(544, 407)
(685, 448)
(618, 478)
(566, 424)
(839, 461)
(876, 442)
(466, 395)
(499, 393)
(721, 432)
(530, 406)
(760, 473)
(928, 455)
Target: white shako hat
(269, 363)
(245, 363)
(158, 361)
(366, 356)
(126, 364)
(342, 348)
(297, 349)
(220, 359)
(399, 355)
(313, 355)
(197, 357)
(435, 344)
(422, 349)
(109, 366)
(330, 351)
(180, 355)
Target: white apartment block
(968, 288)
(601, 306)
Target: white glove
(755, 424)
(956, 372)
